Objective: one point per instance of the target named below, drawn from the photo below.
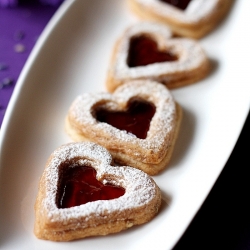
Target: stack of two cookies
(135, 124)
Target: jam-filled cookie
(81, 194)
(138, 123)
(147, 50)
(190, 18)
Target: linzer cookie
(81, 194)
(147, 50)
(190, 18)
(138, 123)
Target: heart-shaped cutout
(181, 4)
(151, 154)
(175, 62)
(143, 51)
(139, 203)
(80, 186)
(135, 119)
(188, 18)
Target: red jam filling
(181, 4)
(79, 186)
(143, 51)
(136, 119)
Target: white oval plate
(71, 57)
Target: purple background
(18, 26)
(223, 222)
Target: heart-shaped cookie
(147, 50)
(102, 118)
(190, 18)
(136, 202)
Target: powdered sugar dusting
(190, 55)
(162, 123)
(140, 188)
(194, 13)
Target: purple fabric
(15, 3)
(8, 3)
(51, 2)
(19, 29)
